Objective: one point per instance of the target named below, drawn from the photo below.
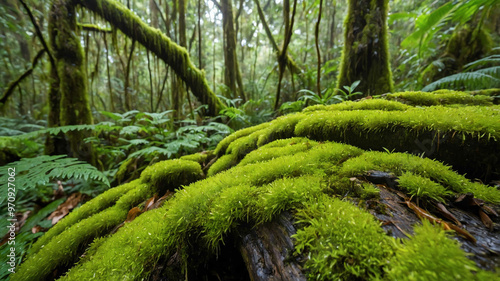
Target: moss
(468, 43)
(223, 145)
(419, 186)
(473, 121)
(196, 157)
(63, 249)
(90, 208)
(344, 242)
(171, 174)
(222, 164)
(277, 149)
(441, 97)
(430, 255)
(369, 104)
(398, 163)
(281, 128)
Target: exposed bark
(268, 251)
(177, 58)
(366, 54)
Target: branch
(155, 41)
(94, 28)
(217, 4)
(39, 34)
(13, 84)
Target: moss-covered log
(329, 188)
(366, 54)
(155, 41)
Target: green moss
(399, 163)
(223, 145)
(277, 149)
(90, 208)
(369, 104)
(222, 164)
(344, 242)
(281, 128)
(196, 157)
(441, 97)
(422, 187)
(471, 120)
(488, 92)
(63, 248)
(430, 255)
(171, 174)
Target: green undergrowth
(62, 243)
(287, 164)
(441, 97)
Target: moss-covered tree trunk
(232, 74)
(366, 56)
(155, 41)
(71, 85)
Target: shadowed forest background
(94, 92)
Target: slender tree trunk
(289, 61)
(366, 55)
(232, 74)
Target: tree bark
(366, 54)
(72, 84)
(176, 57)
(232, 74)
(268, 251)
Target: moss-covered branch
(12, 85)
(94, 28)
(154, 40)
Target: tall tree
(366, 56)
(232, 74)
(72, 83)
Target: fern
(31, 172)
(466, 81)
(427, 25)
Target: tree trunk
(268, 251)
(366, 55)
(72, 84)
(232, 74)
(176, 57)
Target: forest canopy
(320, 137)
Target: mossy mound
(289, 164)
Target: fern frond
(466, 81)
(31, 172)
(493, 59)
(427, 25)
